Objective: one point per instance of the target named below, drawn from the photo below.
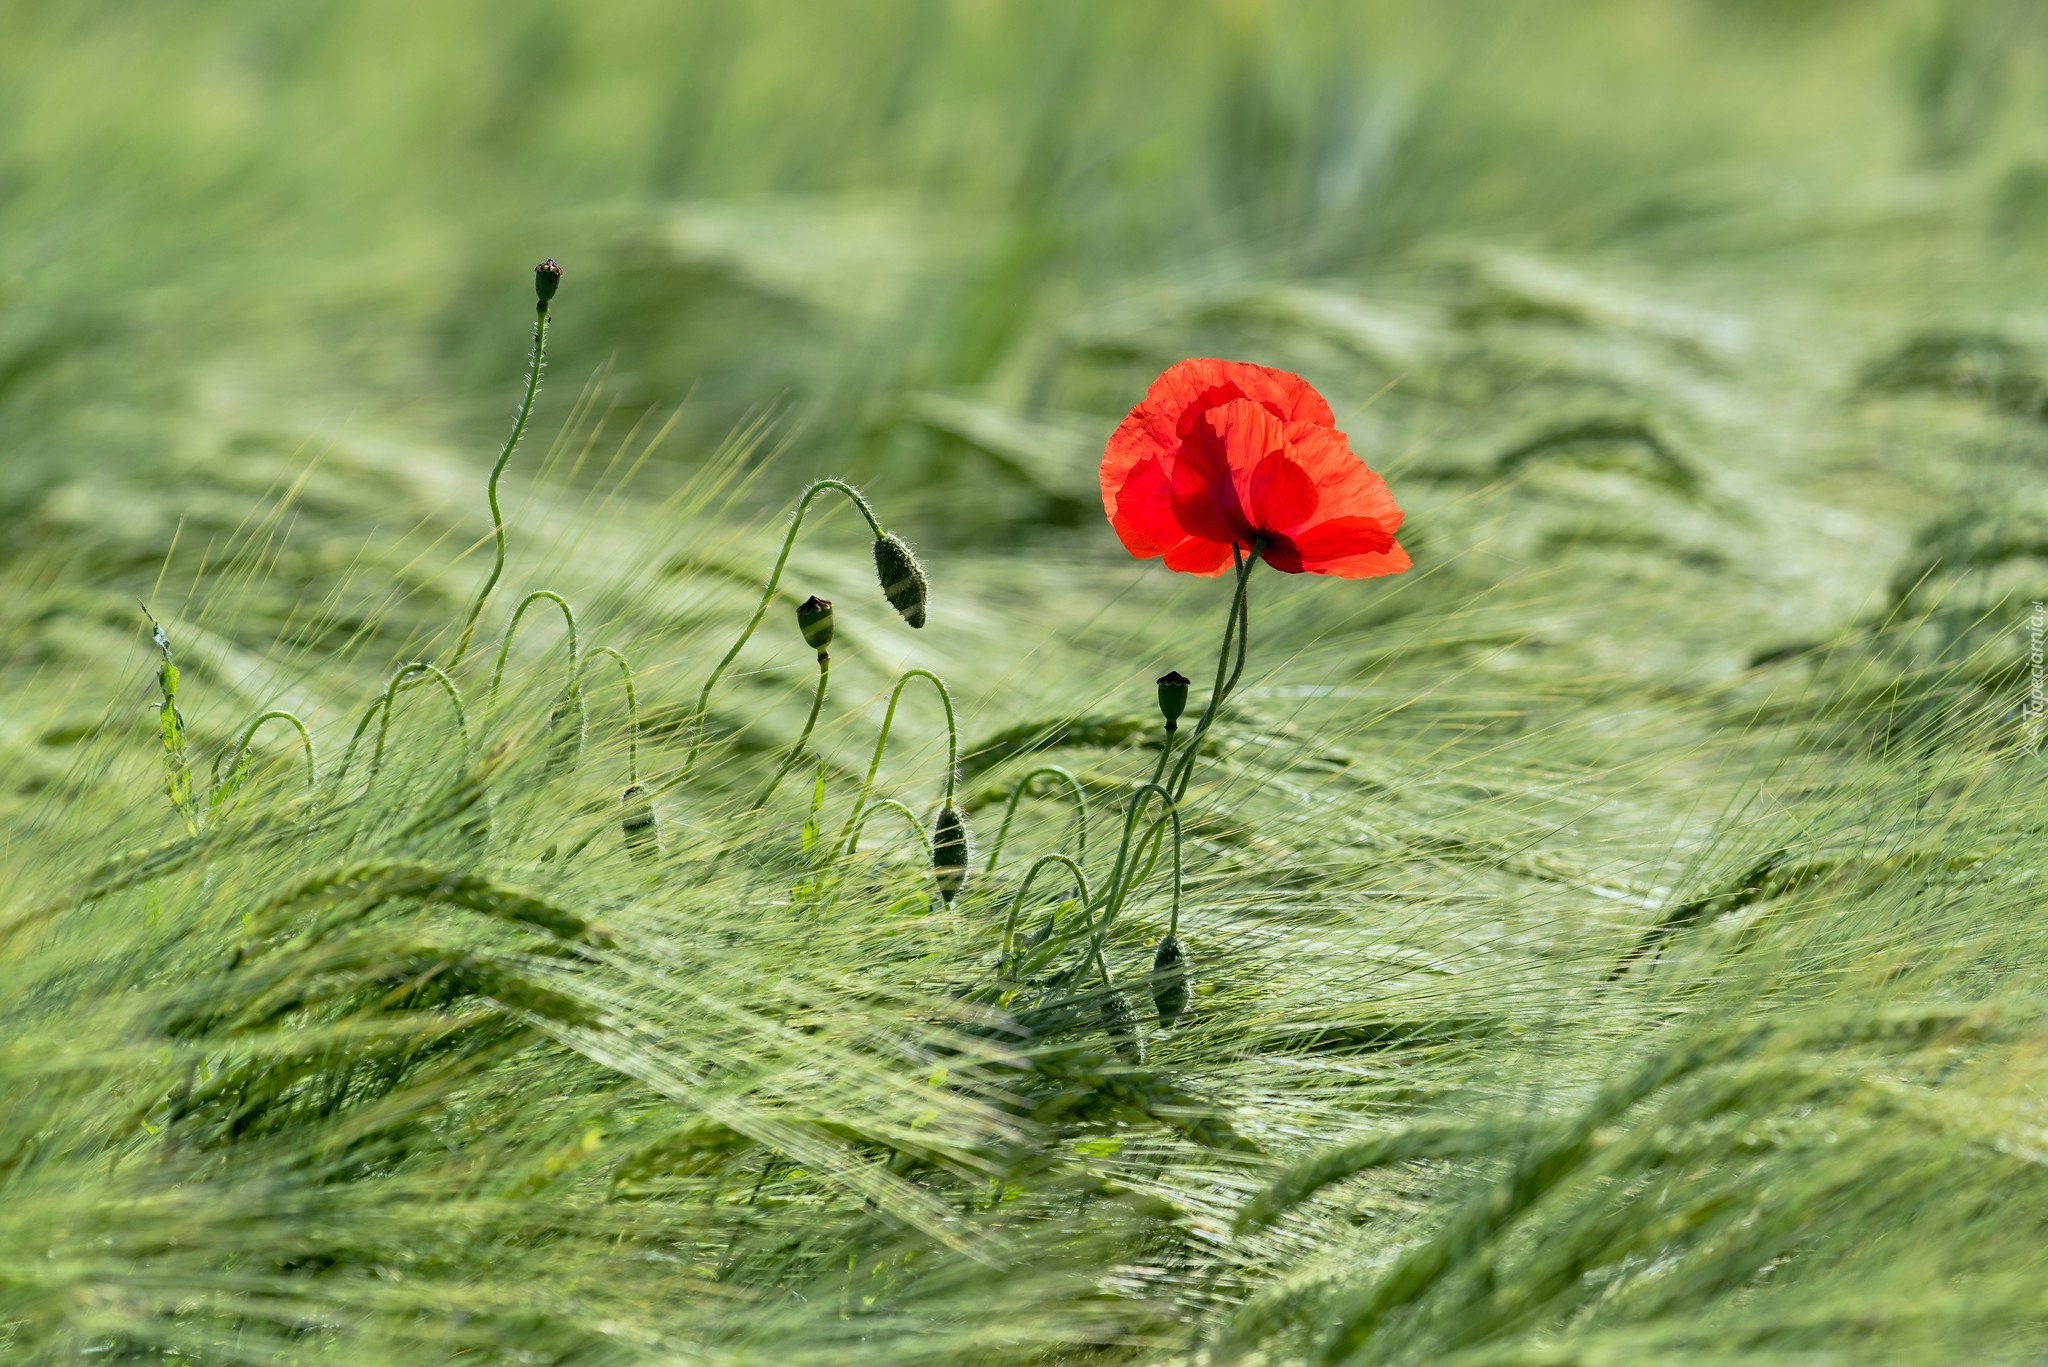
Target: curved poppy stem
(796, 522)
(890, 804)
(1017, 794)
(1118, 889)
(383, 706)
(238, 765)
(1236, 631)
(844, 844)
(539, 363)
(803, 740)
(512, 629)
(632, 710)
(1017, 899)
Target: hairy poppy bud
(547, 278)
(950, 852)
(903, 582)
(1173, 697)
(814, 620)
(1169, 981)
(1122, 1028)
(638, 824)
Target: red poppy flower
(1223, 454)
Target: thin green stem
(796, 522)
(1017, 899)
(240, 752)
(803, 740)
(383, 704)
(539, 363)
(844, 845)
(1165, 753)
(1117, 891)
(512, 628)
(632, 710)
(1236, 631)
(1017, 793)
(890, 804)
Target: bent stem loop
(1031, 873)
(512, 628)
(1118, 890)
(238, 764)
(539, 363)
(917, 826)
(796, 522)
(1237, 631)
(1017, 795)
(383, 705)
(803, 740)
(632, 708)
(844, 845)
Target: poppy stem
(389, 697)
(540, 359)
(796, 522)
(1118, 889)
(844, 845)
(1017, 794)
(512, 629)
(1044, 861)
(796, 751)
(1236, 632)
(632, 708)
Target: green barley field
(1618, 939)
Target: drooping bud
(547, 278)
(951, 852)
(1173, 697)
(814, 620)
(903, 581)
(638, 824)
(1122, 1028)
(1169, 981)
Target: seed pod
(547, 278)
(1173, 697)
(638, 824)
(814, 620)
(1169, 981)
(951, 852)
(1122, 1028)
(903, 581)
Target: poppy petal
(1346, 547)
(1197, 556)
(1279, 496)
(1345, 485)
(1129, 446)
(1393, 560)
(1190, 388)
(1141, 509)
(1206, 495)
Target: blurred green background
(950, 241)
(1689, 333)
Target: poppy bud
(1173, 697)
(814, 620)
(950, 852)
(547, 278)
(1122, 1028)
(903, 582)
(638, 824)
(1169, 981)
